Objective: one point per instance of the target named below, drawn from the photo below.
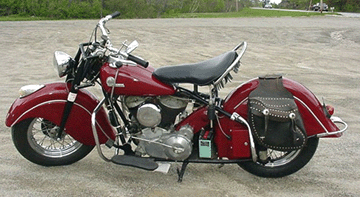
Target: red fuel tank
(133, 80)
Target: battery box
(207, 147)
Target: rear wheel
(36, 140)
(282, 163)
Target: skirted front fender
(49, 102)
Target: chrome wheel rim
(280, 158)
(42, 137)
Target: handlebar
(105, 36)
(106, 19)
(115, 14)
(138, 60)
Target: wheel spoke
(43, 139)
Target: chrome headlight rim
(61, 62)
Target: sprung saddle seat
(202, 73)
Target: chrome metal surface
(236, 116)
(42, 137)
(279, 158)
(173, 102)
(93, 126)
(236, 61)
(61, 62)
(29, 89)
(110, 81)
(149, 115)
(335, 119)
(162, 143)
(132, 46)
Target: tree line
(62, 9)
(339, 5)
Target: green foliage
(83, 9)
(57, 9)
(245, 12)
(339, 5)
(345, 5)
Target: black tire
(285, 164)
(35, 139)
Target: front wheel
(283, 163)
(36, 139)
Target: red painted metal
(137, 81)
(235, 148)
(238, 146)
(305, 100)
(49, 103)
(197, 120)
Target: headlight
(61, 62)
(29, 89)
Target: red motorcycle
(270, 126)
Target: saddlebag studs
(274, 117)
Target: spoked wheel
(283, 163)
(36, 139)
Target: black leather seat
(202, 73)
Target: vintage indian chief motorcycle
(270, 126)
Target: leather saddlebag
(274, 117)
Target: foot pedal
(138, 162)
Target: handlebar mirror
(132, 46)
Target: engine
(155, 111)
(155, 118)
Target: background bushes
(83, 9)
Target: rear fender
(311, 110)
(49, 103)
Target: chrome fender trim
(57, 101)
(335, 120)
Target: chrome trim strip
(54, 101)
(312, 113)
(241, 102)
(334, 119)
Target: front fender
(49, 103)
(314, 118)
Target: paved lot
(322, 53)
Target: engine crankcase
(162, 143)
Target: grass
(22, 18)
(246, 12)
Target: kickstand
(182, 171)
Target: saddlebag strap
(274, 117)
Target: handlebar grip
(137, 60)
(115, 14)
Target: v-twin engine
(161, 143)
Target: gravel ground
(320, 52)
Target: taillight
(330, 109)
